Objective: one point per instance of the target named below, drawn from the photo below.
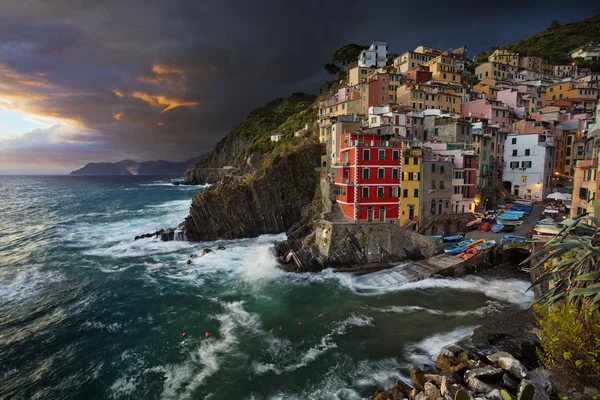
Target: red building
(370, 175)
(420, 74)
(380, 90)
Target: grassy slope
(555, 42)
(264, 121)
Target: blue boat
(454, 238)
(497, 228)
(457, 250)
(513, 237)
(547, 223)
(436, 236)
(459, 245)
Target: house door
(370, 212)
(382, 214)
(440, 208)
(411, 212)
(425, 135)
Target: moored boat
(497, 228)
(459, 245)
(453, 238)
(486, 245)
(467, 254)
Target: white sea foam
(277, 347)
(22, 284)
(425, 351)
(508, 290)
(491, 308)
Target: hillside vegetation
(555, 42)
(283, 115)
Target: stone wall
(371, 243)
(446, 224)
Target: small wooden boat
(485, 226)
(452, 239)
(509, 228)
(513, 237)
(469, 253)
(479, 215)
(476, 242)
(474, 224)
(460, 245)
(497, 228)
(485, 245)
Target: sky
(88, 80)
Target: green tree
(332, 69)
(554, 24)
(347, 53)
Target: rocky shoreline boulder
(271, 200)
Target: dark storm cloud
(167, 79)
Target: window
(381, 173)
(514, 164)
(406, 160)
(361, 138)
(433, 185)
(411, 176)
(416, 194)
(395, 173)
(433, 168)
(395, 155)
(526, 164)
(405, 193)
(568, 152)
(514, 141)
(380, 192)
(366, 173)
(441, 169)
(569, 140)
(366, 154)
(415, 160)
(435, 131)
(381, 155)
(442, 185)
(418, 176)
(383, 88)
(365, 192)
(514, 153)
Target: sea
(87, 312)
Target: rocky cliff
(246, 146)
(271, 200)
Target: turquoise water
(107, 313)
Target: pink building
(513, 99)
(494, 111)
(380, 91)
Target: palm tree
(567, 267)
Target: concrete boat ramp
(413, 271)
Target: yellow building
(443, 68)
(411, 181)
(410, 60)
(504, 56)
(584, 188)
(436, 96)
(570, 90)
(487, 86)
(431, 51)
(496, 70)
(358, 75)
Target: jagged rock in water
(270, 202)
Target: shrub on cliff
(570, 339)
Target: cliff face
(270, 201)
(245, 146)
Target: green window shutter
(405, 193)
